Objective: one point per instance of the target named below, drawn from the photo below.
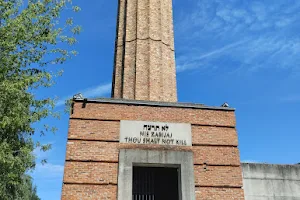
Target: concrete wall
(271, 182)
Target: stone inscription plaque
(159, 133)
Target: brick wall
(91, 167)
(90, 192)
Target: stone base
(93, 148)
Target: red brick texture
(109, 151)
(218, 176)
(89, 173)
(214, 135)
(215, 193)
(94, 130)
(89, 192)
(116, 112)
(91, 169)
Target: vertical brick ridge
(171, 24)
(143, 19)
(141, 87)
(148, 70)
(172, 67)
(173, 60)
(161, 94)
(131, 13)
(119, 43)
(165, 38)
(142, 63)
(130, 50)
(154, 49)
(148, 55)
(123, 48)
(136, 35)
(162, 27)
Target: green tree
(32, 38)
(26, 190)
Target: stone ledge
(153, 103)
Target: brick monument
(144, 59)
(142, 143)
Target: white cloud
(257, 15)
(97, 91)
(269, 52)
(221, 50)
(192, 62)
(48, 171)
(260, 36)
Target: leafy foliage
(31, 40)
(26, 190)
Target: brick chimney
(144, 67)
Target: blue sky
(243, 52)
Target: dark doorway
(155, 183)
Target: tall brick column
(144, 53)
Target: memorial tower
(142, 143)
(144, 53)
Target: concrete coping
(271, 171)
(271, 164)
(153, 103)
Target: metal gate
(155, 183)
(143, 184)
